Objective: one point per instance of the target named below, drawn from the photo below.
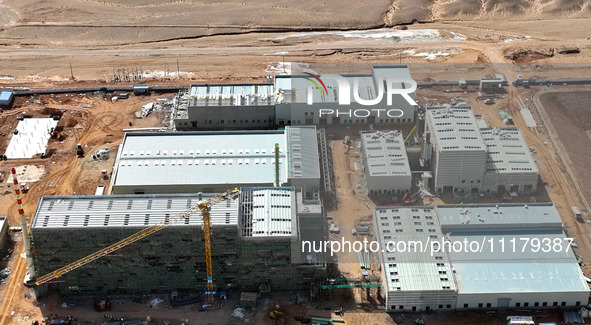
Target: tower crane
(204, 207)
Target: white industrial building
(467, 157)
(191, 162)
(493, 275)
(225, 106)
(292, 100)
(510, 165)
(454, 146)
(413, 281)
(386, 166)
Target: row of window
(489, 305)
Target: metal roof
(385, 153)
(245, 157)
(455, 128)
(502, 267)
(489, 269)
(126, 211)
(512, 215)
(6, 95)
(410, 270)
(272, 212)
(534, 277)
(231, 95)
(507, 151)
(304, 161)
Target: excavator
(204, 207)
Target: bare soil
(570, 116)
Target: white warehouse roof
(385, 153)
(135, 211)
(487, 269)
(455, 128)
(190, 158)
(507, 151)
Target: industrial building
(191, 162)
(293, 106)
(286, 102)
(225, 106)
(252, 239)
(3, 231)
(413, 281)
(510, 166)
(493, 275)
(386, 166)
(467, 157)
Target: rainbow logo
(325, 92)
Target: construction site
(186, 194)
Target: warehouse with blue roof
(512, 256)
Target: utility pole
(71, 71)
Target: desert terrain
(245, 41)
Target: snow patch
(382, 33)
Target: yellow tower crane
(204, 207)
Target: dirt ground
(571, 118)
(39, 40)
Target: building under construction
(254, 243)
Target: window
(517, 304)
(488, 305)
(544, 304)
(234, 121)
(536, 304)
(526, 304)
(578, 303)
(563, 303)
(555, 304)
(222, 121)
(465, 305)
(448, 306)
(401, 307)
(480, 305)
(440, 306)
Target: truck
(577, 213)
